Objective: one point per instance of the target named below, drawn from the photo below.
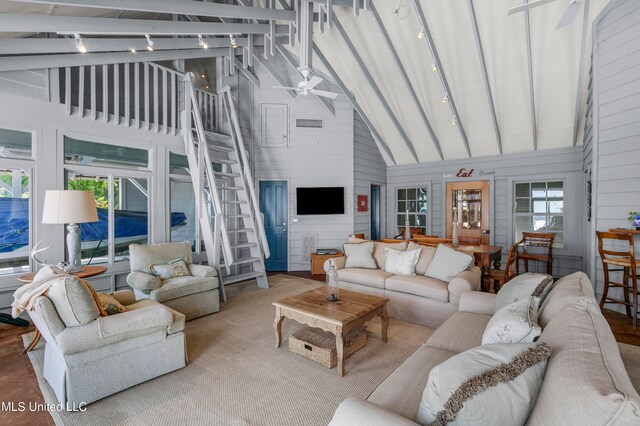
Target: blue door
(375, 212)
(273, 205)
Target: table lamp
(71, 207)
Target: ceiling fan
(307, 85)
(567, 18)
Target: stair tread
(230, 188)
(240, 230)
(233, 202)
(226, 174)
(243, 245)
(242, 261)
(237, 216)
(224, 161)
(220, 148)
(231, 279)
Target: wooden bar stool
(627, 263)
(501, 277)
(542, 240)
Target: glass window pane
(183, 213)
(14, 221)
(100, 154)
(412, 194)
(540, 222)
(556, 206)
(523, 205)
(555, 189)
(402, 206)
(178, 164)
(412, 206)
(522, 224)
(402, 194)
(94, 236)
(421, 220)
(422, 194)
(422, 206)
(539, 206)
(539, 189)
(522, 190)
(400, 221)
(130, 210)
(15, 144)
(412, 220)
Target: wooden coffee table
(351, 311)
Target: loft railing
(141, 95)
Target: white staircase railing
(236, 135)
(142, 95)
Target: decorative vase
(407, 227)
(455, 242)
(333, 290)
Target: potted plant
(634, 218)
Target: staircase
(150, 97)
(230, 219)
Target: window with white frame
(182, 202)
(119, 177)
(539, 207)
(15, 174)
(411, 203)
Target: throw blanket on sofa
(24, 296)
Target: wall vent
(309, 123)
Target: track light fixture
(133, 50)
(421, 34)
(445, 98)
(434, 67)
(233, 40)
(454, 120)
(201, 42)
(80, 44)
(150, 43)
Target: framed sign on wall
(363, 203)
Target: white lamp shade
(69, 207)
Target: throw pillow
(521, 287)
(447, 263)
(515, 323)
(359, 255)
(73, 300)
(110, 305)
(401, 262)
(487, 385)
(175, 268)
(426, 256)
(379, 254)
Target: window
(14, 221)
(539, 206)
(412, 202)
(117, 177)
(182, 202)
(15, 144)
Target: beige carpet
(236, 376)
(631, 358)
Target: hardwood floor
(18, 382)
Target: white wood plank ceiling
(514, 83)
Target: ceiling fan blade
(527, 6)
(570, 14)
(313, 82)
(324, 93)
(284, 87)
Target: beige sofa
(417, 298)
(585, 381)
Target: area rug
(631, 358)
(236, 376)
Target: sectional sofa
(585, 380)
(414, 298)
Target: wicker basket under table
(320, 346)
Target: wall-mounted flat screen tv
(324, 200)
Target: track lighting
(434, 67)
(233, 40)
(133, 50)
(80, 44)
(445, 98)
(150, 43)
(454, 120)
(201, 42)
(421, 34)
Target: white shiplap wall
(369, 168)
(314, 157)
(502, 172)
(616, 121)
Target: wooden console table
(317, 262)
(87, 271)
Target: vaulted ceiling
(513, 83)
